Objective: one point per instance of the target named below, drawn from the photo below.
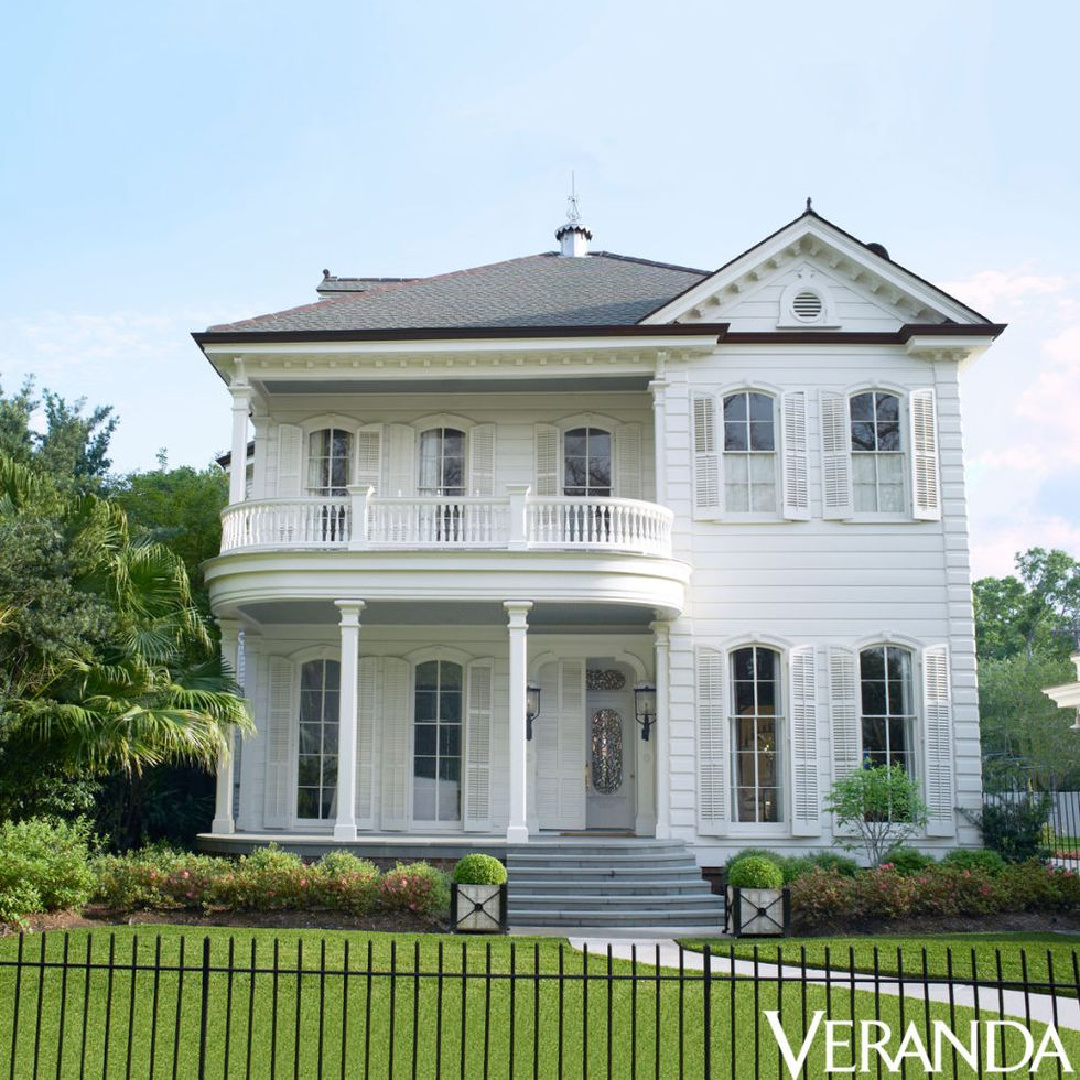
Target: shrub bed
(44, 866)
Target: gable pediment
(813, 276)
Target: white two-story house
(580, 543)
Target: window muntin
(438, 700)
(329, 462)
(877, 458)
(442, 462)
(887, 705)
(755, 673)
(587, 463)
(750, 484)
(320, 686)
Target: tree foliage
(879, 804)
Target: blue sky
(165, 166)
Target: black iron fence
(1026, 822)
(176, 1006)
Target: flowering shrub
(345, 882)
(418, 888)
(266, 880)
(158, 878)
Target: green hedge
(44, 866)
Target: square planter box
(758, 912)
(478, 909)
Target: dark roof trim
(897, 337)
(459, 333)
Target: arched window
(329, 462)
(587, 463)
(877, 458)
(750, 469)
(756, 739)
(437, 713)
(320, 684)
(442, 462)
(887, 705)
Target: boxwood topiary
(755, 872)
(478, 869)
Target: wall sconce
(532, 708)
(645, 709)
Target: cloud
(995, 290)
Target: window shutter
(712, 744)
(708, 489)
(482, 461)
(548, 460)
(278, 791)
(559, 738)
(401, 479)
(843, 697)
(369, 457)
(394, 766)
(628, 461)
(937, 704)
(289, 463)
(806, 796)
(837, 500)
(366, 710)
(478, 717)
(925, 482)
(796, 468)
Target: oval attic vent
(807, 306)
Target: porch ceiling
(543, 617)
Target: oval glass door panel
(607, 751)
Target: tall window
(888, 712)
(877, 459)
(437, 741)
(587, 463)
(329, 462)
(749, 452)
(442, 462)
(755, 675)
(320, 685)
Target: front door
(610, 751)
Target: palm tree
(106, 663)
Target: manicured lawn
(1022, 957)
(312, 1011)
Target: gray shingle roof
(601, 289)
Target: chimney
(573, 239)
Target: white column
(658, 387)
(345, 822)
(241, 406)
(518, 613)
(662, 632)
(223, 784)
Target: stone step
(626, 917)
(587, 859)
(559, 901)
(548, 886)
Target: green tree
(881, 805)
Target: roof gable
(864, 284)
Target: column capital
(229, 626)
(661, 629)
(518, 611)
(350, 611)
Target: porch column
(662, 633)
(223, 784)
(658, 387)
(518, 613)
(241, 406)
(345, 822)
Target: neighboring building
(723, 509)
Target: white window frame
(913, 720)
(902, 454)
(729, 456)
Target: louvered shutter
(401, 473)
(925, 481)
(837, 499)
(369, 457)
(394, 764)
(478, 717)
(367, 700)
(628, 461)
(290, 460)
(559, 737)
(806, 794)
(708, 488)
(844, 707)
(937, 705)
(481, 479)
(548, 460)
(796, 468)
(712, 726)
(278, 793)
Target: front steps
(616, 883)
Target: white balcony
(518, 522)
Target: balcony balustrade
(518, 522)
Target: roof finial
(573, 237)
(573, 212)
(808, 206)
